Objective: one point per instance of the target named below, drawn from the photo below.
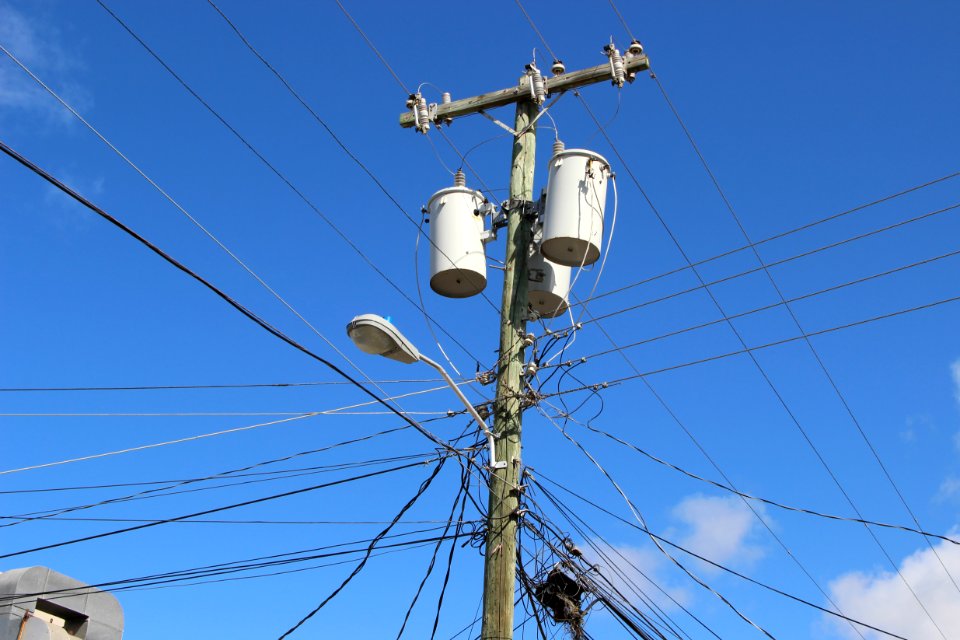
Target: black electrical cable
(205, 512)
(423, 487)
(52, 514)
(796, 321)
(773, 305)
(710, 562)
(175, 387)
(465, 479)
(761, 370)
(777, 236)
(211, 287)
(775, 343)
(229, 472)
(339, 142)
(433, 556)
(199, 576)
(343, 236)
(704, 286)
(773, 503)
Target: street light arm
(470, 409)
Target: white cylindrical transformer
(548, 285)
(458, 265)
(576, 196)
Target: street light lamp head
(374, 334)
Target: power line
(775, 343)
(703, 286)
(252, 522)
(760, 369)
(221, 432)
(626, 27)
(369, 44)
(387, 550)
(215, 414)
(205, 512)
(144, 447)
(173, 484)
(343, 236)
(336, 139)
(52, 514)
(796, 321)
(591, 537)
(673, 415)
(773, 503)
(635, 512)
(782, 234)
(178, 206)
(212, 288)
(236, 566)
(165, 491)
(423, 487)
(646, 531)
(175, 387)
(756, 310)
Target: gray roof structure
(27, 594)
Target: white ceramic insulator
(539, 88)
(458, 265)
(573, 216)
(619, 72)
(422, 115)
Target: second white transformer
(576, 198)
(458, 264)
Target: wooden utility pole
(499, 569)
(499, 575)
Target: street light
(374, 334)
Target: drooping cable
(773, 503)
(205, 512)
(693, 554)
(640, 519)
(774, 305)
(5, 148)
(763, 373)
(796, 322)
(804, 254)
(767, 345)
(792, 231)
(300, 194)
(360, 565)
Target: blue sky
(802, 111)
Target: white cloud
(955, 371)
(882, 599)
(640, 569)
(37, 46)
(949, 488)
(722, 529)
(917, 426)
